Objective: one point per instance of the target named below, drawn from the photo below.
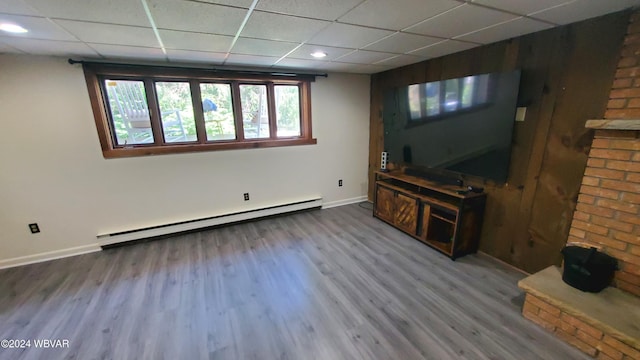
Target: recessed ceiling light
(318, 54)
(13, 28)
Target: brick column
(608, 211)
(624, 102)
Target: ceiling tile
(300, 64)
(461, 20)
(304, 52)
(582, 9)
(16, 7)
(124, 12)
(239, 59)
(443, 48)
(8, 49)
(506, 30)
(397, 14)
(39, 28)
(195, 56)
(195, 41)
(50, 47)
(523, 7)
(203, 30)
(355, 68)
(348, 36)
(364, 57)
(401, 43)
(249, 46)
(237, 3)
(319, 9)
(110, 34)
(281, 27)
(197, 17)
(400, 60)
(128, 52)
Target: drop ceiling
(358, 36)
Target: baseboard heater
(111, 240)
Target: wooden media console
(445, 217)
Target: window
(129, 111)
(287, 110)
(155, 110)
(217, 106)
(254, 111)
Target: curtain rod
(236, 71)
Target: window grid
(188, 111)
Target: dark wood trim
(98, 108)
(151, 75)
(209, 146)
(171, 73)
(305, 110)
(271, 106)
(180, 71)
(154, 112)
(237, 110)
(300, 110)
(198, 113)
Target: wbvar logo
(51, 343)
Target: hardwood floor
(323, 284)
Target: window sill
(146, 150)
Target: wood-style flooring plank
(323, 284)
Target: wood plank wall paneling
(567, 73)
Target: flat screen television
(457, 126)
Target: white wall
(52, 171)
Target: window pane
(255, 115)
(433, 98)
(176, 111)
(415, 112)
(482, 93)
(287, 110)
(467, 91)
(218, 111)
(451, 95)
(129, 112)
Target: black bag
(587, 269)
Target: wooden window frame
(96, 73)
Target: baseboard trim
(50, 255)
(125, 236)
(344, 202)
(106, 240)
(503, 262)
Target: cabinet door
(426, 215)
(406, 215)
(384, 203)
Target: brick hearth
(605, 325)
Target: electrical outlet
(34, 228)
(246, 196)
(340, 182)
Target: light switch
(521, 112)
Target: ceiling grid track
(358, 36)
(154, 27)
